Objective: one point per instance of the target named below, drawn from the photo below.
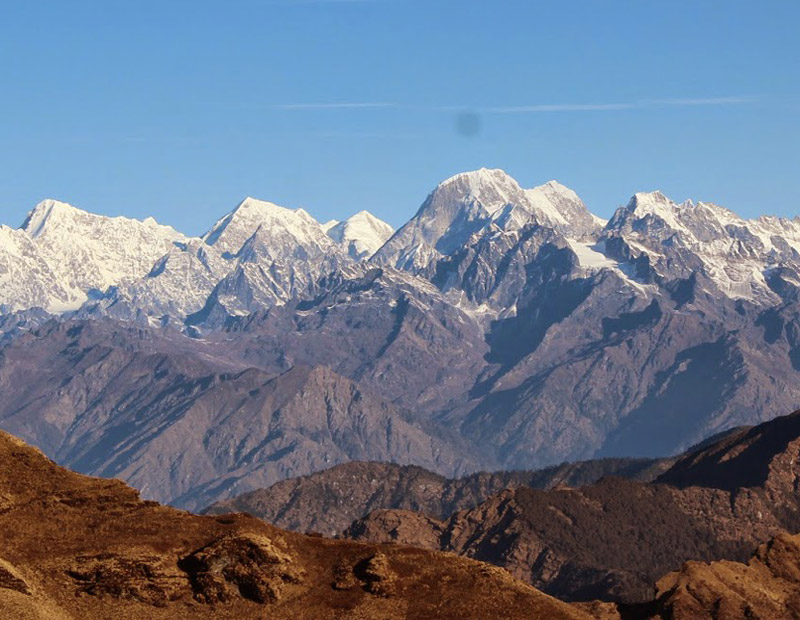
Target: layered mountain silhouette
(80, 547)
(186, 425)
(608, 539)
(329, 501)
(500, 328)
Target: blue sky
(180, 109)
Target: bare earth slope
(74, 547)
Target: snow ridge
(476, 202)
(361, 235)
(261, 254)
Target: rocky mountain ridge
(329, 501)
(70, 257)
(612, 540)
(766, 586)
(79, 547)
(739, 257)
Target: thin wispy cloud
(522, 109)
(558, 107)
(630, 105)
(703, 101)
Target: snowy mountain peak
(701, 221)
(361, 235)
(693, 219)
(26, 279)
(644, 201)
(654, 202)
(652, 196)
(481, 176)
(68, 252)
(53, 218)
(231, 232)
(363, 215)
(48, 211)
(263, 253)
(554, 187)
(493, 188)
(682, 239)
(254, 206)
(480, 201)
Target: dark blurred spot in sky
(468, 124)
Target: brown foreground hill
(74, 547)
(614, 539)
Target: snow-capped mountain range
(261, 254)
(63, 257)
(500, 327)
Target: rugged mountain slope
(389, 330)
(593, 340)
(290, 230)
(613, 539)
(141, 270)
(61, 255)
(187, 422)
(279, 252)
(730, 254)
(78, 547)
(26, 279)
(178, 285)
(14, 324)
(329, 501)
(257, 256)
(761, 456)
